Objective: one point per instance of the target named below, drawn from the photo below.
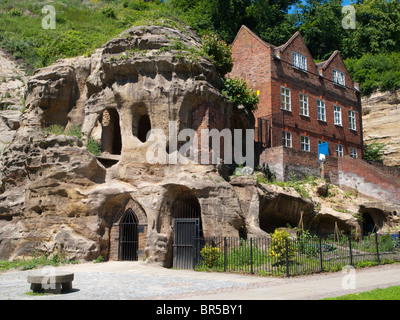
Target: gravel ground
(140, 281)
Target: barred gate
(185, 231)
(128, 231)
(187, 226)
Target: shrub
(94, 147)
(219, 51)
(278, 246)
(373, 151)
(239, 94)
(210, 255)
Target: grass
(93, 146)
(37, 260)
(81, 26)
(391, 293)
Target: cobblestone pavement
(140, 281)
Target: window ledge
(300, 69)
(339, 85)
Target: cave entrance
(187, 226)
(128, 242)
(368, 224)
(144, 127)
(111, 132)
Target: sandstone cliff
(55, 195)
(381, 123)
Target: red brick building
(302, 103)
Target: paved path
(140, 281)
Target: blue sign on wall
(323, 148)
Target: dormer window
(299, 61)
(338, 77)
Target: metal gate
(185, 231)
(128, 234)
(187, 226)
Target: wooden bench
(51, 282)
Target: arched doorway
(368, 224)
(111, 132)
(128, 241)
(144, 127)
(186, 216)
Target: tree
(373, 151)
(321, 26)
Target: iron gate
(128, 233)
(185, 231)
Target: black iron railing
(288, 257)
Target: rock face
(381, 123)
(12, 85)
(56, 196)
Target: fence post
(320, 254)
(251, 256)
(195, 249)
(351, 253)
(377, 247)
(224, 254)
(287, 257)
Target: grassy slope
(81, 27)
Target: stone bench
(51, 282)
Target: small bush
(219, 51)
(278, 250)
(94, 147)
(240, 94)
(210, 255)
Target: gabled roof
(325, 64)
(284, 46)
(243, 27)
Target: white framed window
(337, 115)
(303, 104)
(338, 77)
(339, 150)
(305, 143)
(353, 152)
(321, 114)
(352, 120)
(287, 139)
(299, 61)
(285, 99)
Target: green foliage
(239, 94)
(55, 129)
(281, 247)
(99, 259)
(219, 51)
(373, 151)
(37, 260)
(376, 71)
(94, 147)
(210, 255)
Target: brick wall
(368, 179)
(345, 172)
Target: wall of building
(368, 180)
(267, 68)
(345, 172)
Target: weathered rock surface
(12, 86)
(381, 123)
(56, 196)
